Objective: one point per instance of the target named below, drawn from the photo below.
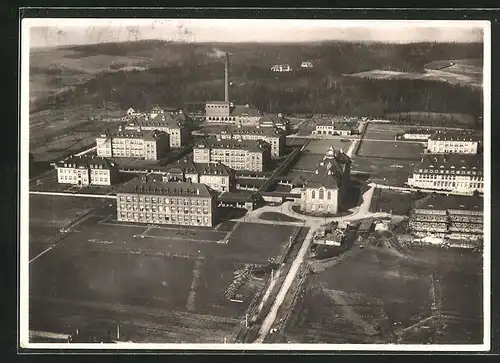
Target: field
(393, 172)
(391, 201)
(381, 296)
(391, 150)
(436, 119)
(167, 286)
(59, 132)
(383, 131)
(320, 146)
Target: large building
(275, 121)
(273, 136)
(84, 171)
(148, 145)
(453, 142)
(217, 176)
(453, 217)
(417, 133)
(334, 128)
(159, 120)
(251, 155)
(226, 111)
(450, 172)
(324, 191)
(148, 199)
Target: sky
(60, 32)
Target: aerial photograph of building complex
(211, 181)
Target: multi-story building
(332, 128)
(273, 136)
(451, 172)
(148, 199)
(217, 176)
(453, 217)
(148, 145)
(251, 155)
(324, 191)
(84, 171)
(453, 142)
(417, 133)
(275, 121)
(229, 113)
(171, 123)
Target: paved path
(313, 223)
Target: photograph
(254, 184)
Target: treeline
(317, 94)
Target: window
(313, 194)
(329, 195)
(321, 194)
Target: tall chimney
(226, 79)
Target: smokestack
(226, 79)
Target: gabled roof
(450, 202)
(85, 162)
(250, 145)
(455, 135)
(329, 171)
(444, 162)
(243, 110)
(154, 186)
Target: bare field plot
(307, 162)
(165, 283)
(381, 296)
(58, 211)
(320, 146)
(391, 201)
(383, 131)
(383, 171)
(391, 150)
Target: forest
(199, 78)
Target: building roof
(250, 145)
(251, 130)
(455, 135)
(450, 202)
(329, 171)
(343, 126)
(218, 103)
(420, 130)
(244, 110)
(86, 162)
(152, 184)
(274, 119)
(447, 162)
(187, 166)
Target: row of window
(159, 218)
(321, 194)
(161, 209)
(446, 177)
(443, 183)
(437, 171)
(164, 200)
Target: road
(102, 196)
(363, 211)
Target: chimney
(226, 78)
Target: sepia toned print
(222, 184)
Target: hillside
(176, 73)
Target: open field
(320, 146)
(165, 287)
(435, 119)
(280, 217)
(383, 171)
(306, 162)
(383, 131)
(391, 150)
(391, 201)
(386, 293)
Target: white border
(24, 188)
